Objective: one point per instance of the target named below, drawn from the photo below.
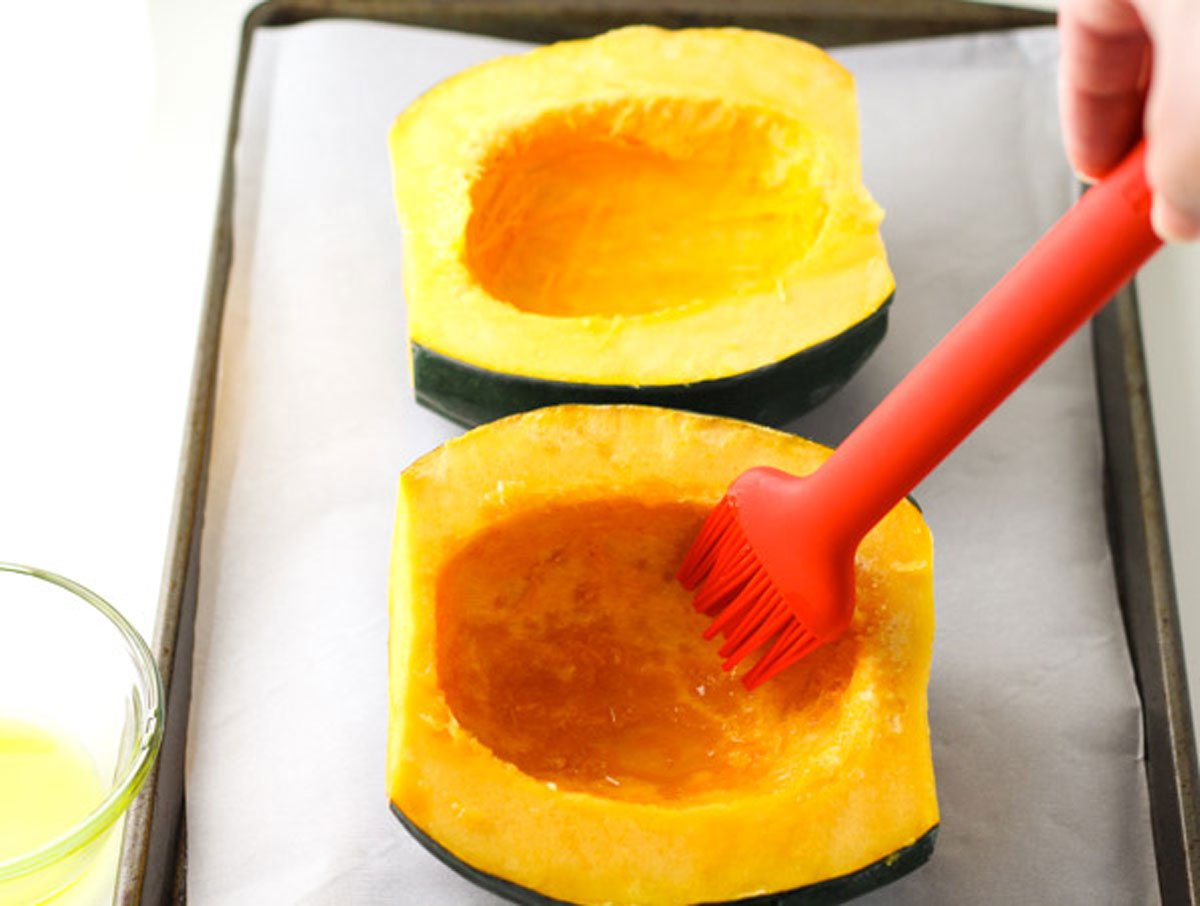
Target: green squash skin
(825, 893)
(772, 395)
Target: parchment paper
(1035, 717)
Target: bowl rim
(124, 788)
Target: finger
(1173, 122)
(1105, 55)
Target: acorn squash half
(665, 217)
(559, 731)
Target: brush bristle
(733, 588)
(702, 555)
(793, 643)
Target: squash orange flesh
(566, 646)
(531, 594)
(641, 205)
(643, 208)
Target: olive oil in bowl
(48, 784)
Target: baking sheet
(1035, 718)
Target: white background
(115, 118)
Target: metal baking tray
(154, 853)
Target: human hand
(1128, 67)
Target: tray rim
(153, 857)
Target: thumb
(1172, 121)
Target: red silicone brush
(774, 562)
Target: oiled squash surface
(566, 645)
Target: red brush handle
(1068, 276)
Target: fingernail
(1172, 224)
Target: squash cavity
(566, 646)
(635, 206)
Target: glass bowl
(80, 725)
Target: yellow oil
(48, 784)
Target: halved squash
(653, 216)
(559, 731)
